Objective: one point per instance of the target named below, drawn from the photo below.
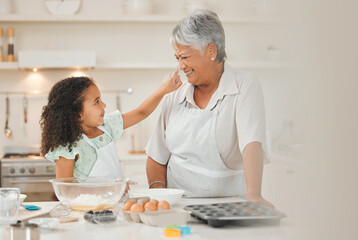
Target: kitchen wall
(143, 42)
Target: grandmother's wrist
(157, 184)
(254, 196)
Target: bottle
(1, 45)
(10, 48)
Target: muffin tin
(235, 213)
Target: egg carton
(159, 218)
(235, 213)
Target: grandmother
(210, 134)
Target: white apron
(107, 164)
(195, 164)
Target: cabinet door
(135, 171)
(281, 186)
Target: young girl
(79, 137)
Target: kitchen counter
(84, 230)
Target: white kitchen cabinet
(134, 167)
(282, 184)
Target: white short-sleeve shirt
(240, 120)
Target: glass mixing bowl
(90, 193)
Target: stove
(21, 155)
(26, 169)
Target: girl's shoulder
(63, 151)
(113, 123)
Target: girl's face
(193, 63)
(93, 108)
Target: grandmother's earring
(212, 58)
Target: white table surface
(84, 230)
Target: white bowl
(170, 195)
(22, 198)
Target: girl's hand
(171, 82)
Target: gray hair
(198, 30)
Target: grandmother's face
(193, 63)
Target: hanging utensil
(25, 106)
(118, 101)
(7, 130)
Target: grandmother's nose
(181, 65)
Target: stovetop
(21, 155)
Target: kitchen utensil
(91, 193)
(118, 102)
(235, 213)
(21, 231)
(7, 130)
(9, 205)
(25, 106)
(31, 207)
(170, 195)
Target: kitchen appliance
(24, 168)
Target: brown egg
(127, 206)
(164, 205)
(151, 206)
(141, 202)
(155, 201)
(137, 208)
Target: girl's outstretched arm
(171, 83)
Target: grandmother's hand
(171, 82)
(261, 200)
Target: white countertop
(133, 231)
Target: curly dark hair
(61, 118)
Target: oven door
(36, 188)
